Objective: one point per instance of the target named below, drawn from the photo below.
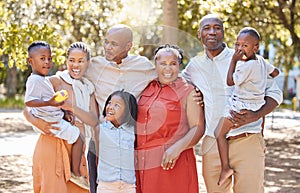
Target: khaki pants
(247, 158)
(115, 187)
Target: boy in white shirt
(248, 74)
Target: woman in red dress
(169, 124)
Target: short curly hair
(251, 31)
(36, 44)
(176, 50)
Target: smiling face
(40, 60)
(77, 63)
(115, 109)
(167, 65)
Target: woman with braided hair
(169, 124)
(53, 158)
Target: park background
(62, 22)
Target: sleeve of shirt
(270, 68)
(273, 91)
(187, 72)
(33, 90)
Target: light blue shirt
(116, 153)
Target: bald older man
(117, 70)
(208, 72)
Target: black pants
(91, 157)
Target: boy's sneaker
(80, 181)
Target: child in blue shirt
(116, 172)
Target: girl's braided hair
(82, 46)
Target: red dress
(162, 120)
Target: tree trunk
(285, 85)
(11, 81)
(170, 22)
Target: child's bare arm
(36, 103)
(41, 103)
(236, 56)
(230, 72)
(88, 117)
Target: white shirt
(210, 76)
(250, 79)
(133, 75)
(40, 88)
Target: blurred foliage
(61, 22)
(277, 21)
(12, 103)
(287, 106)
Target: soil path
(282, 133)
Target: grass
(12, 103)
(288, 104)
(18, 103)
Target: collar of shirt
(226, 52)
(109, 125)
(123, 61)
(174, 84)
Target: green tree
(59, 22)
(278, 22)
(77, 20)
(16, 35)
(62, 22)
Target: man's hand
(198, 97)
(243, 117)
